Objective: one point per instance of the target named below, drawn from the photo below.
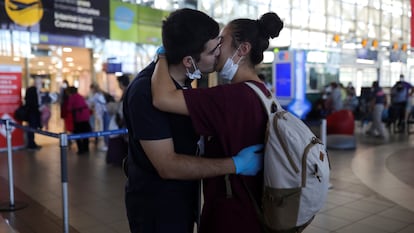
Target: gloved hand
(160, 50)
(249, 160)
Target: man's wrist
(159, 54)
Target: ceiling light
(69, 59)
(67, 49)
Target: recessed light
(67, 49)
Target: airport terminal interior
(372, 188)
(352, 42)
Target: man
(378, 102)
(400, 94)
(161, 191)
(32, 100)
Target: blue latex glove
(249, 160)
(161, 50)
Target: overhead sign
(76, 18)
(24, 13)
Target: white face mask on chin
(196, 74)
(230, 68)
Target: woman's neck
(244, 74)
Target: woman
(229, 116)
(78, 107)
(117, 144)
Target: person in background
(78, 107)
(334, 100)
(351, 100)
(400, 94)
(162, 190)
(63, 97)
(45, 111)
(32, 101)
(117, 144)
(229, 116)
(97, 104)
(378, 102)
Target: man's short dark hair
(185, 33)
(123, 79)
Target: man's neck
(178, 74)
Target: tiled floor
(373, 190)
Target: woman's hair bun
(270, 25)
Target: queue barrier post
(10, 205)
(63, 142)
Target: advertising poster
(10, 100)
(132, 22)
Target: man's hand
(249, 160)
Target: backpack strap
(269, 102)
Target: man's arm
(166, 96)
(170, 165)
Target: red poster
(10, 99)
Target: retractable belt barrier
(63, 142)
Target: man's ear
(187, 62)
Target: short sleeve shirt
(378, 95)
(145, 122)
(230, 117)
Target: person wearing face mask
(32, 101)
(229, 116)
(161, 193)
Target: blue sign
(283, 80)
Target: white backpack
(296, 170)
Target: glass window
(406, 23)
(376, 4)
(396, 34)
(361, 3)
(333, 24)
(317, 22)
(317, 6)
(297, 4)
(362, 30)
(316, 40)
(385, 33)
(300, 18)
(347, 26)
(21, 43)
(374, 16)
(386, 19)
(300, 38)
(348, 11)
(5, 43)
(284, 14)
(362, 15)
(334, 8)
